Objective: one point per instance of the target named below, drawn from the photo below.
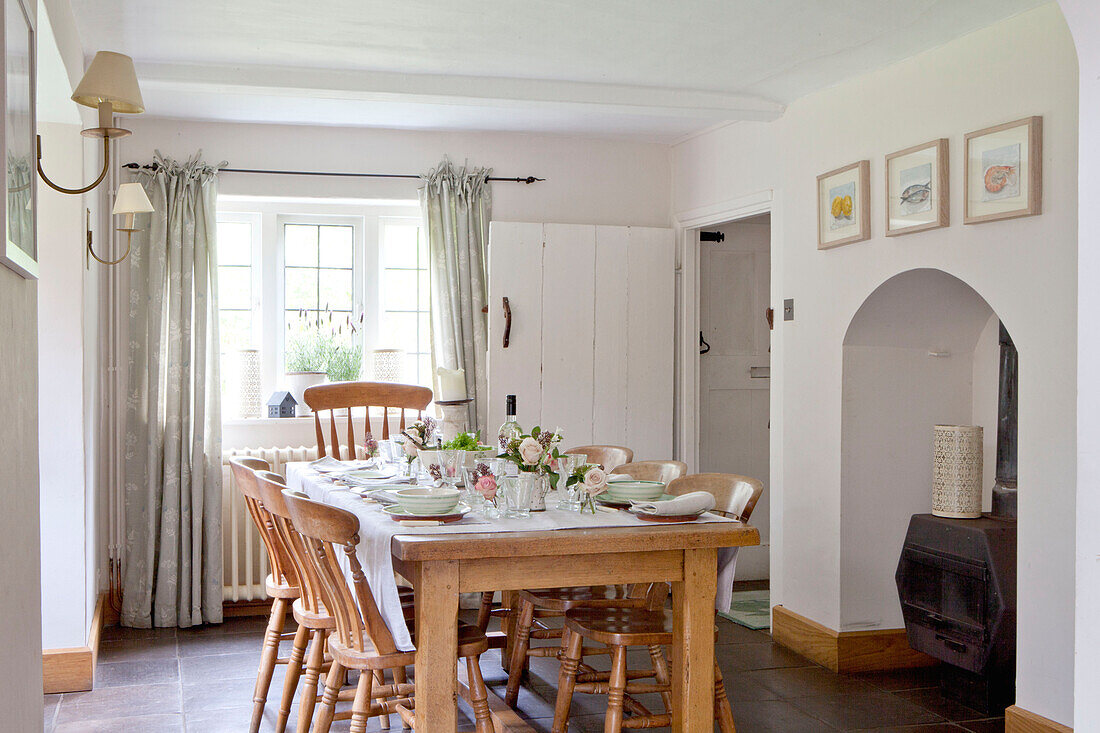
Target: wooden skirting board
(1018, 720)
(845, 651)
(73, 669)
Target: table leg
(693, 642)
(436, 646)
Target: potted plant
(473, 448)
(317, 350)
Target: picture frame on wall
(843, 205)
(1004, 171)
(917, 189)
(18, 145)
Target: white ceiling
(650, 69)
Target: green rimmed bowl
(427, 502)
(627, 491)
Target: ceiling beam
(377, 86)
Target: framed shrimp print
(917, 189)
(1004, 171)
(843, 205)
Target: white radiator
(244, 558)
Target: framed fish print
(917, 189)
(843, 205)
(1004, 171)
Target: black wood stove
(957, 584)
(957, 578)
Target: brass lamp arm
(89, 187)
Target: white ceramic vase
(297, 383)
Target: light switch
(788, 309)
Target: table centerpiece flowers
(533, 453)
(593, 479)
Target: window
(301, 277)
(406, 296)
(236, 244)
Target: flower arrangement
(318, 344)
(420, 436)
(533, 453)
(370, 445)
(486, 483)
(594, 481)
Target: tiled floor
(200, 681)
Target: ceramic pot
(297, 383)
(538, 495)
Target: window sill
(245, 422)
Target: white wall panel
(611, 346)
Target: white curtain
(172, 453)
(457, 207)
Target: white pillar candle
(451, 384)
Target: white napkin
(328, 464)
(613, 477)
(696, 502)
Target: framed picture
(917, 189)
(19, 246)
(1004, 171)
(843, 205)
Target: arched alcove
(921, 350)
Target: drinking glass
(520, 490)
(450, 465)
(567, 464)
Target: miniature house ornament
(281, 404)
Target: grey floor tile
(989, 725)
(50, 704)
(806, 682)
(760, 656)
(849, 711)
(930, 728)
(730, 633)
(137, 649)
(743, 687)
(197, 645)
(217, 694)
(137, 672)
(903, 679)
(116, 633)
(195, 670)
(932, 699)
(776, 716)
(142, 723)
(118, 702)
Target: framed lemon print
(843, 205)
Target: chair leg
(571, 644)
(360, 708)
(660, 672)
(293, 672)
(520, 644)
(275, 624)
(479, 697)
(616, 688)
(307, 700)
(723, 713)
(380, 679)
(328, 700)
(484, 610)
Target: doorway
(734, 284)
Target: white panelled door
(734, 284)
(591, 341)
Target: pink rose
(487, 487)
(410, 449)
(530, 451)
(595, 481)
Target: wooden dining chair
(361, 640)
(281, 583)
(663, 471)
(734, 496)
(649, 626)
(608, 456)
(314, 620)
(346, 396)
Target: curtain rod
(153, 166)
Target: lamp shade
(131, 199)
(110, 78)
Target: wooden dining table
(442, 566)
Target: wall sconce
(129, 200)
(109, 85)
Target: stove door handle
(955, 646)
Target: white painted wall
(1025, 269)
(61, 399)
(589, 181)
(1083, 17)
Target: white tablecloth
(376, 529)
